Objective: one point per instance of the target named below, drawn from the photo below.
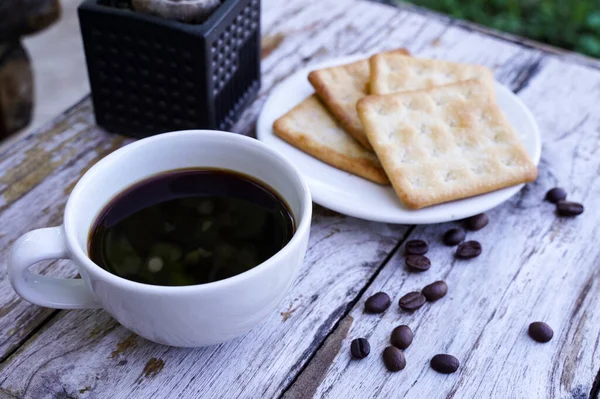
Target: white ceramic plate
(355, 196)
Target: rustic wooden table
(535, 266)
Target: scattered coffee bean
(540, 331)
(567, 208)
(477, 222)
(402, 337)
(446, 364)
(393, 358)
(435, 291)
(378, 303)
(418, 263)
(556, 194)
(468, 250)
(416, 247)
(360, 348)
(412, 301)
(454, 237)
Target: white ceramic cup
(191, 316)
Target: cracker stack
(435, 128)
(311, 128)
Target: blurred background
(58, 65)
(570, 24)
(55, 54)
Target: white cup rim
(79, 254)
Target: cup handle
(58, 293)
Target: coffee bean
(418, 263)
(567, 208)
(393, 358)
(360, 348)
(435, 291)
(556, 194)
(477, 222)
(540, 331)
(468, 250)
(378, 303)
(454, 237)
(446, 364)
(416, 247)
(412, 301)
(402, 337)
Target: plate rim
(366, 213)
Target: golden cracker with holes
(394, 72)
(445, 143)
(312, 129)
(340, 88)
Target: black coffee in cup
(190, 226)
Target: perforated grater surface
(150, 75)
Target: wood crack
(50, 360)
(258, 365)
(526, 75)
(595, 391)
(309, 380)
(27, 337)
(65, 395)
(313, 350)
(574, 129)
(9, 393)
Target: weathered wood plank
(263, 363)
(86, 354)
(39, 172)
(535, 266)
(343, 254)
(36, 176)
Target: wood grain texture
(42, 169)
(534, 265)
(77, 346)
(36, 176)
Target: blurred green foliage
(571, 24)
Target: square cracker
(309, 127)
(340, 88)
(445, 143)
(394, 72)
